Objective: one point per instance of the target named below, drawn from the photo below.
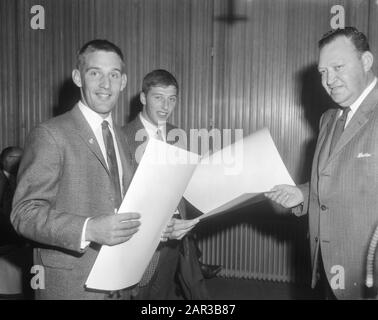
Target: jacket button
(316, 239)
(323, 207)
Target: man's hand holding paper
(285, 195)
(178, 228)
(112, 229)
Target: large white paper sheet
(238, 173)
(155, 191)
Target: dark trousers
(163, 284)
(323, 284)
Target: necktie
(159, 135)
(112, 162)
(339, 128)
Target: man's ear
(142, 98)
(76, 77)
(367, 60)
(124, 81)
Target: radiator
(273, 251)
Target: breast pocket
(365, 173)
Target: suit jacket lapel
(357, 122)
(137, 126)
(325, 139)
(138, 137)
(168, 128)
(85, 132)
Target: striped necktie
(112, 163)
(339, 129)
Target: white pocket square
(363, 155)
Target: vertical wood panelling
(35, 66)
(8, 75)
(175, 35)
(171, 34)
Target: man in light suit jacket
(174, 271)
(341, 197)
(71, 180)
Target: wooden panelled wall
(36, 65)
(254, 69)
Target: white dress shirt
(153, 129)
(95, 120)
(355, 105)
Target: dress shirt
(355, 105)
(152, 129)
(95, 120)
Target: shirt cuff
(176, 214)
(84, 243)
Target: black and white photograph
(184, 155)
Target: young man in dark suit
(174, 271)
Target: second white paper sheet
(237, 173)
(155, 191)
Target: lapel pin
(91, 141)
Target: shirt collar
(354, 106)
(150, 127)
(93, 118)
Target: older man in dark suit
(174, 271)
(72, 177)
(341, 197)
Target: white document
(155, 192)
(237, 174)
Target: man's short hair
(6, 152)
(97, 45)
(359, 40)
(159, 78)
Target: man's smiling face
(100, 81)
(158, 103)
(342, 70)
